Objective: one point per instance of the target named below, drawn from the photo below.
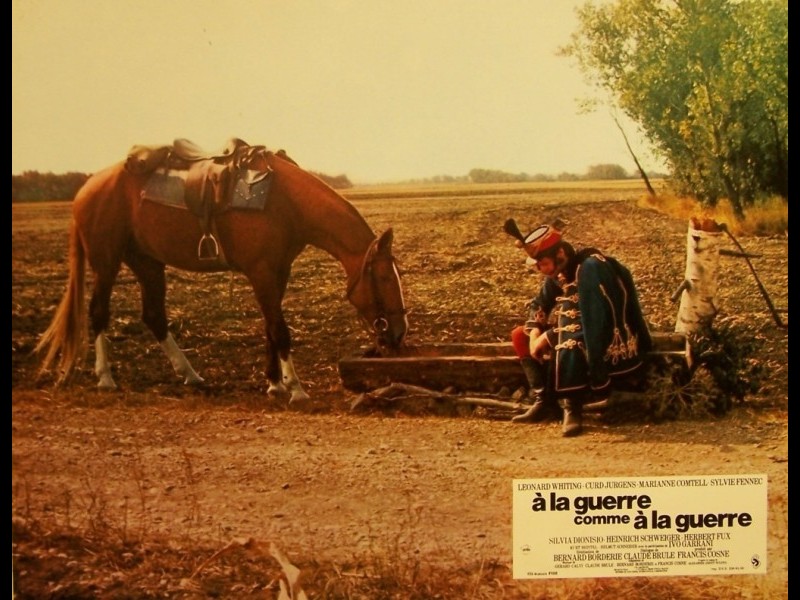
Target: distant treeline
(35, 186)
(594, 173)
(337, 182)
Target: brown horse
(114, 223)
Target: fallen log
(402, 391)
(416, 399)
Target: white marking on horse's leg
(179, 361)
(102, 367)
(292, 381)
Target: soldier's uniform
(599, 332)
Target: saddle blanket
(249, 190)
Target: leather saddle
(206, 183)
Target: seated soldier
(598, 330)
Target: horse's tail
(65, 338)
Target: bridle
(380, 325)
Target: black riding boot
(536, 381)
(573, 413)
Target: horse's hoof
(194, 379)
(299, 399)
(277, 391)
(106, 384)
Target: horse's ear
(385, 241)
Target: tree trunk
(699, 288)
(645, 178)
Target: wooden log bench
(478, 367)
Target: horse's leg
(99, 316)
(281, 376)
(152, 282)
(292, 381)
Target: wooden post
(699, 288)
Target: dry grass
(770, 217)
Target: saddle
(206, 183)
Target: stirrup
(208, 248)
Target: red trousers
(521, 342)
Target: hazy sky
(378, 90)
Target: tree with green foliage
(707, 81)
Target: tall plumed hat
(537, 241)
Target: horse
(115, 222)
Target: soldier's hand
(533, 335)
(540, 347)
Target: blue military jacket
(593, 322)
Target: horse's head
(377, 294)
